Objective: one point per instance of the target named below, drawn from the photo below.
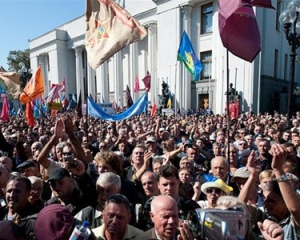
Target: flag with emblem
(34, 88)
(186, 54)
(109, 28)
(12, 81)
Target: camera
(220, 224)
(71, 161)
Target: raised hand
(253, 164)
(59, 129)
(279, 155)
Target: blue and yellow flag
(187, 55)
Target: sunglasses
(67, 153)
(214, 190)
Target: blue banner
(140, 106)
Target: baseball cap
(59, 174)
(26, 164)
(151, 139)
(240, 173)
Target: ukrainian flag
(187, 55)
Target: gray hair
(34, 179)
(109, 178)
(37, 145)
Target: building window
(278, 10)
(275, 63)
(205, 58)
(82, 57)
(206, 18)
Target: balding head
(220, 167)
(164, 215)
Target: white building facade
(262, 84)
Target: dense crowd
(144, 178)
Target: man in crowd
(116, 217)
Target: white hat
(218, 183)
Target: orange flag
(34, 88)
(29, 114)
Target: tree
(17, 56)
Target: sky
(21, 20)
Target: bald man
(164, 215)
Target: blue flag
(138, 107)
(187, 55)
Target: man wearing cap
(67, 193)
(28, 168)
(152, 146)
(240, 178)
(213, 190)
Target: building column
(91, 81)
(42, 63)
(133, 69)
(79, 73)
(102, 82)
(187, 77)
(152, 53)
(118, 78)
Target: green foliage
(17, 56)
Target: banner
(140, 106)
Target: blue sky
(21, 20)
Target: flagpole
(227, 104)
(175, 87)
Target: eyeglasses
(101, 146)
(242, 144)
(214, 190)
(232, 151)
(67, 153)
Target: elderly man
(116, 217)
(164, 215)
(168, 184)
(107, 185)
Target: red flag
(147, 81)
(233, 110)
(136, 85)
(239, 29)
(29, 114)
(262, 3)
(153, 110)
(4, 113)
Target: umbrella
(239, 29)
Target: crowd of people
(144, 178)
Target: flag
(4, 112)
(140, 106)
(128, 97)
(53, 94)
(29, 114)
(34, 88)
(239, 29)
(262, 3)
(147, 81)
(109, 28)
(36, 108)
(61, 87)
(136, 85)
(153, 110)
(169, 102)
(79, 106)
(187, 55)
(12, 81)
